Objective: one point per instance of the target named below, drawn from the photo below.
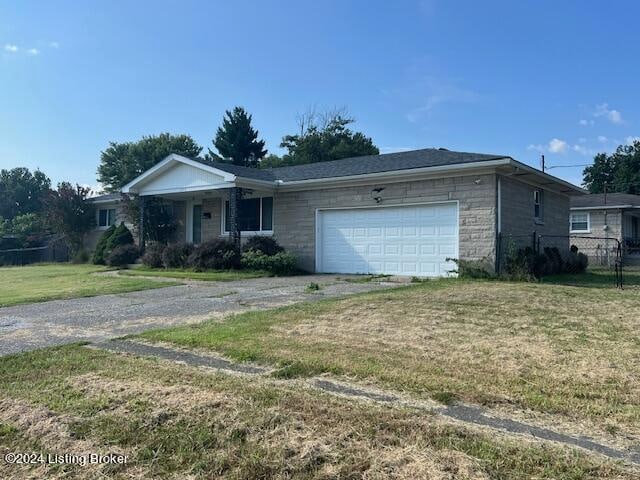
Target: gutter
(604, 207)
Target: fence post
(534, 243)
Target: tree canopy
(22, 192)
(237, 141)
(122, 162)
(620, 171)
(69, 212)
(322, 138)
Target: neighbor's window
(106, 217)
(254, 214)
(537, 204)
(580, 222)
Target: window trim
(223, 217)
(572, 230)
(539, 202)
(107, 209)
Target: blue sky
(514, 78)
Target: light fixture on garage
(477, 181)
(376, 194)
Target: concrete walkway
(465, 414)
(94, 319)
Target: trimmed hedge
(153, 255)
(98, 254)
(123, 255)
(282, 263)
(217, 254)
(175, 255)
(259, 243)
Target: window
(580, 223)
(537, 205)
(106, 217)
(254, 214)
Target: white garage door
(407, 240)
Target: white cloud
(631, 140)
(603, 110)
(537, 148)
(582, 150)
(33, 51)
(10, 48)
(585, 123)
(558, 146)
(602, 139)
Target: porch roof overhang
(177, 174)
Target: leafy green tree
(237, 141)
(122, 162)
(69, 212)
(620, 171)
(270, 161)
(325, 137)
(22, 192)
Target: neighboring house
(596, 217)
(401, 213)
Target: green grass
(559, 350)
(210, 275)
(597, 277)
(38, 283)
(184, 422)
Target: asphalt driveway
(27, 327)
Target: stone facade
(295, 212)
(517, 215)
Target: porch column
(235, 195)
(141, 201)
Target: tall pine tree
(237, 141)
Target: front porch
(204, 202)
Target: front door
(197, 224)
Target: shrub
(81, 256)
(121, 236)
(472, 268)
(153, 255)
(123, 255)
(175, 255)
(217, 254)
(266, 245)
(554, 259)
(282, 263)
(98, 254)
(577, 262)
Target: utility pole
(542, 163)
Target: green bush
(282, 263)
(217, 254)
(81, 256)
(473, 268)
(525, 264)
(123, 255)
(577, 262)
(260, 243)
(175, 255)
(153, 255)
(121, 236)
(98, 254)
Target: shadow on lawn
(596, 278)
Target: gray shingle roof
(428, 157)
(106, 198)
(598, 200)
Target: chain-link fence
(56, 249)
(603, 253)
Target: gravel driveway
(27, 327)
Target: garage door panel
(403, 240)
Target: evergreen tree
(237, 141)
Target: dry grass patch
(568, 351)
(180, 422)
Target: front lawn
(566, 355)
(208, 275)
(183, 422)
(38, 283)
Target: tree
(159, 220)
(237, 141)
(69, 212)
(620, 171)
(122, 162)
(325, 137)
(22, 192)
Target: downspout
(498, 223)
